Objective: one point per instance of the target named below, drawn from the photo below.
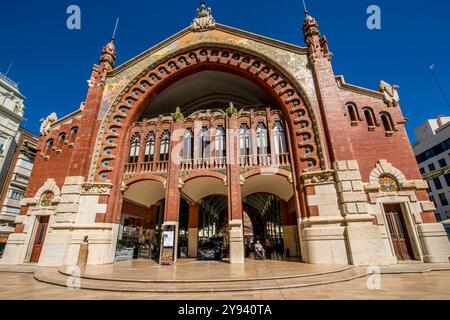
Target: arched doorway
(270, 222)
(141, 220)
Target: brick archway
(108, 163)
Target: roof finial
(204, 20)
(115, 30)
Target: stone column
(194, 211)
(172, 205)
(235, 211)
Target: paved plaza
(416, 282)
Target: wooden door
(399, 232)
(39, 238)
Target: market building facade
(217, 133)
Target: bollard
(84, 252)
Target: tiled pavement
(400, 285)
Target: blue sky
(53, 63)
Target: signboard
(124, 254)
(169, 239)
(168, 245)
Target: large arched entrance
(268, 130)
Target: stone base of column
(436, 247)
(237, 255)
(324, 244)
(62, 244)
(15, 249)
(193, 243)
(366, 246)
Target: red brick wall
(57, 165)
(370, 146)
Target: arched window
(370, 117)
(387, 122)
(245, 140)
(61, 139)
(188, 145)
(220, 142)
(73, 134)
(150, 147)
(262, 140)
(165, 145)
(279, 139)
(48, 147)
(353, 113)
(135, 148)
(205, 144)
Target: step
(243, 285)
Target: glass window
(48, 147)
(352, 112)
(262, 140)
(432, 167)
(245, 140)
(432, 152)
(205, 144)
(16, 195)
(443, 199)
(442, 163)
(437, 183)
(220, 142)
(61, 139)
(422, 170)
(73, 134)
(279, 139)
(369, 117)
(165, 144)
(135, 148)
(188, 145)
(447, 179)
(387, 122)
(2, 144)
(150, 147)
(432, 200)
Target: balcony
(265, 160)
(220, 163)
(147, 167)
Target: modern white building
(16, 161)
(16, 182)
(11, 116)
(432, 150)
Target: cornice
(12, 114)
(66, 118)
(340, 80)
